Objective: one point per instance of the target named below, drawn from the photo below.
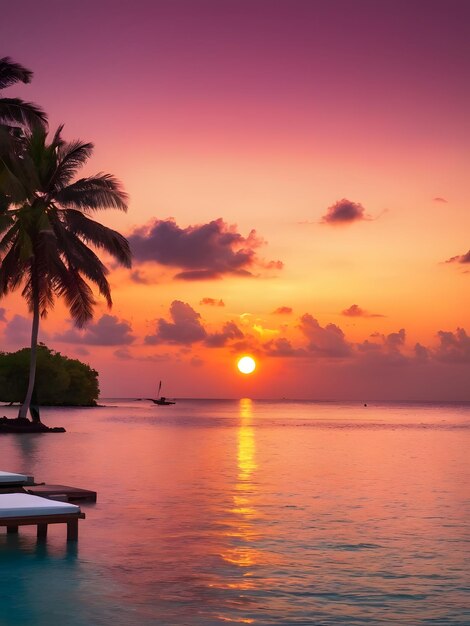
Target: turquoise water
(216, 512)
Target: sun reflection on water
(242, 528)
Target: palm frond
(11, 73)
(57, 140)
(77, 294)
(4, 205)
(12, 271)
(102, 191)
(8, 240)
(70, 157)
(9, 144)
(17, 111)
(83, 259)
(43, 293)
(12, 183)
(100, 236)
(44, 253)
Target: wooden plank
(72, 530)
(42, 522)
(31, 520)
(42, 531)
(72, 493)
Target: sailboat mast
(159, 389)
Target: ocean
(215, 512)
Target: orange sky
(338, 132)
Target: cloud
(137, 276)
(212, 302)
(107, 331)
(453, 347)
(439, 199)
(2, 314)
(184, 329)
(124, 354)
(196, 362)
(462, 258)
(394, 341)
(387, 350)
(272, 265)
(202, 252)
(18, 330)
(229, 331)
(283, 310)
(282, 347)
(345, 212)
(421, 352)
(356, 311)
(158, 358)
(81, 351)
(324, 342)
(369, 347)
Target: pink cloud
(18, 330)
(328, 341)
(387, 348)
(212, 302)
(107, 331)
(143, 279)
(282, 347)
(283, 310)
(202, 252)
(124, 354)
(229, 331)
(184, 329)
(196, 362)
(421, 352)
(81, 351)
(345, 212)
(453, 347)
(462, 258)
(355, 311)
(394, 341)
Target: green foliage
(60, 381)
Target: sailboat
(161, 400)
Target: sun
(246, 365)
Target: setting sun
(246, 365)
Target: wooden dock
(25, 509)
(62, 493)
(42, 522)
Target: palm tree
(14, 111)
(46, 230)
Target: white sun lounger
(21, 509)
(10, 478)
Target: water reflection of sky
(236, 512)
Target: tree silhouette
(49, 242)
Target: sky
(298, 181)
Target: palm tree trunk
(32, 364)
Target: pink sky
(295, 155)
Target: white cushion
(26, 505)
(10, 477)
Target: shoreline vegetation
(49, 244)
(75, 383)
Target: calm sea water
(249, 512)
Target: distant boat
(161, 400)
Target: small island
(60, 381)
